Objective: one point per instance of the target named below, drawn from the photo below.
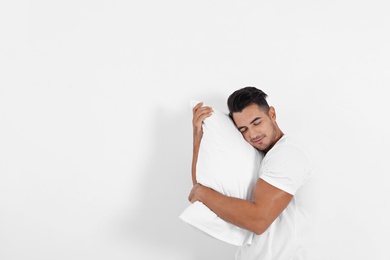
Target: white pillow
(229, 165)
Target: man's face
(257, 126)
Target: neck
(279, 134)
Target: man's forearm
(195, 153)
(239, 212)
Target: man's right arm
(199, 113)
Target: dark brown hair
(244, 97)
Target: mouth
(258, 140)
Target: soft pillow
(229, 165)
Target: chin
(259, 147)
(264, 148)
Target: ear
(272, 113)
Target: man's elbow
(259, 228)
(259, 231)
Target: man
(278, 213)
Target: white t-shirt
(287, 167)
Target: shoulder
(286, 166)
(287, 150)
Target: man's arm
(199, 114)
(257, 216)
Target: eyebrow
(257, 118)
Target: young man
(278, 213)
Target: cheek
(246, 136)
(264, 128)
(259, 129)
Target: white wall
(95, 127)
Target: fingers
(200, 104)
(194, 193)
(199, 108)
(191, 198)
(201, 112)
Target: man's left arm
(269, 202)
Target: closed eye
(242, 129)
(256, 121)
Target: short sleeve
(286, 167)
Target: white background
(95, 125)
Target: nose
(252, 134)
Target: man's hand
(196, 193)
(200, 113)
